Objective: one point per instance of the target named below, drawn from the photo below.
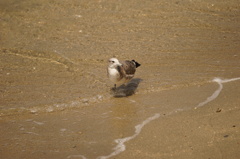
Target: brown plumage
(120, 73)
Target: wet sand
(55, 98)
(211, 131)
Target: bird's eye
(113, 61)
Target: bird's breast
(113, 74)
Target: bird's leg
(114, 87)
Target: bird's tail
(136, 63)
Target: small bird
(121, 73)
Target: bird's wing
(129, 67)
(121, 71)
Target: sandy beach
(56, 100)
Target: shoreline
(197, 140)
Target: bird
(121, 72)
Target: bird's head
(113, 62)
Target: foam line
(138, 128)
(217, 92)
(229, 80)
(120, 142)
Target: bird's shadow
(126, 90)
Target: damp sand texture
(55, 98)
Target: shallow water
(107, 129)
(53, 59)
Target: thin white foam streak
(121, 142)
(120, 147)
(217, 92)
(227, 80)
